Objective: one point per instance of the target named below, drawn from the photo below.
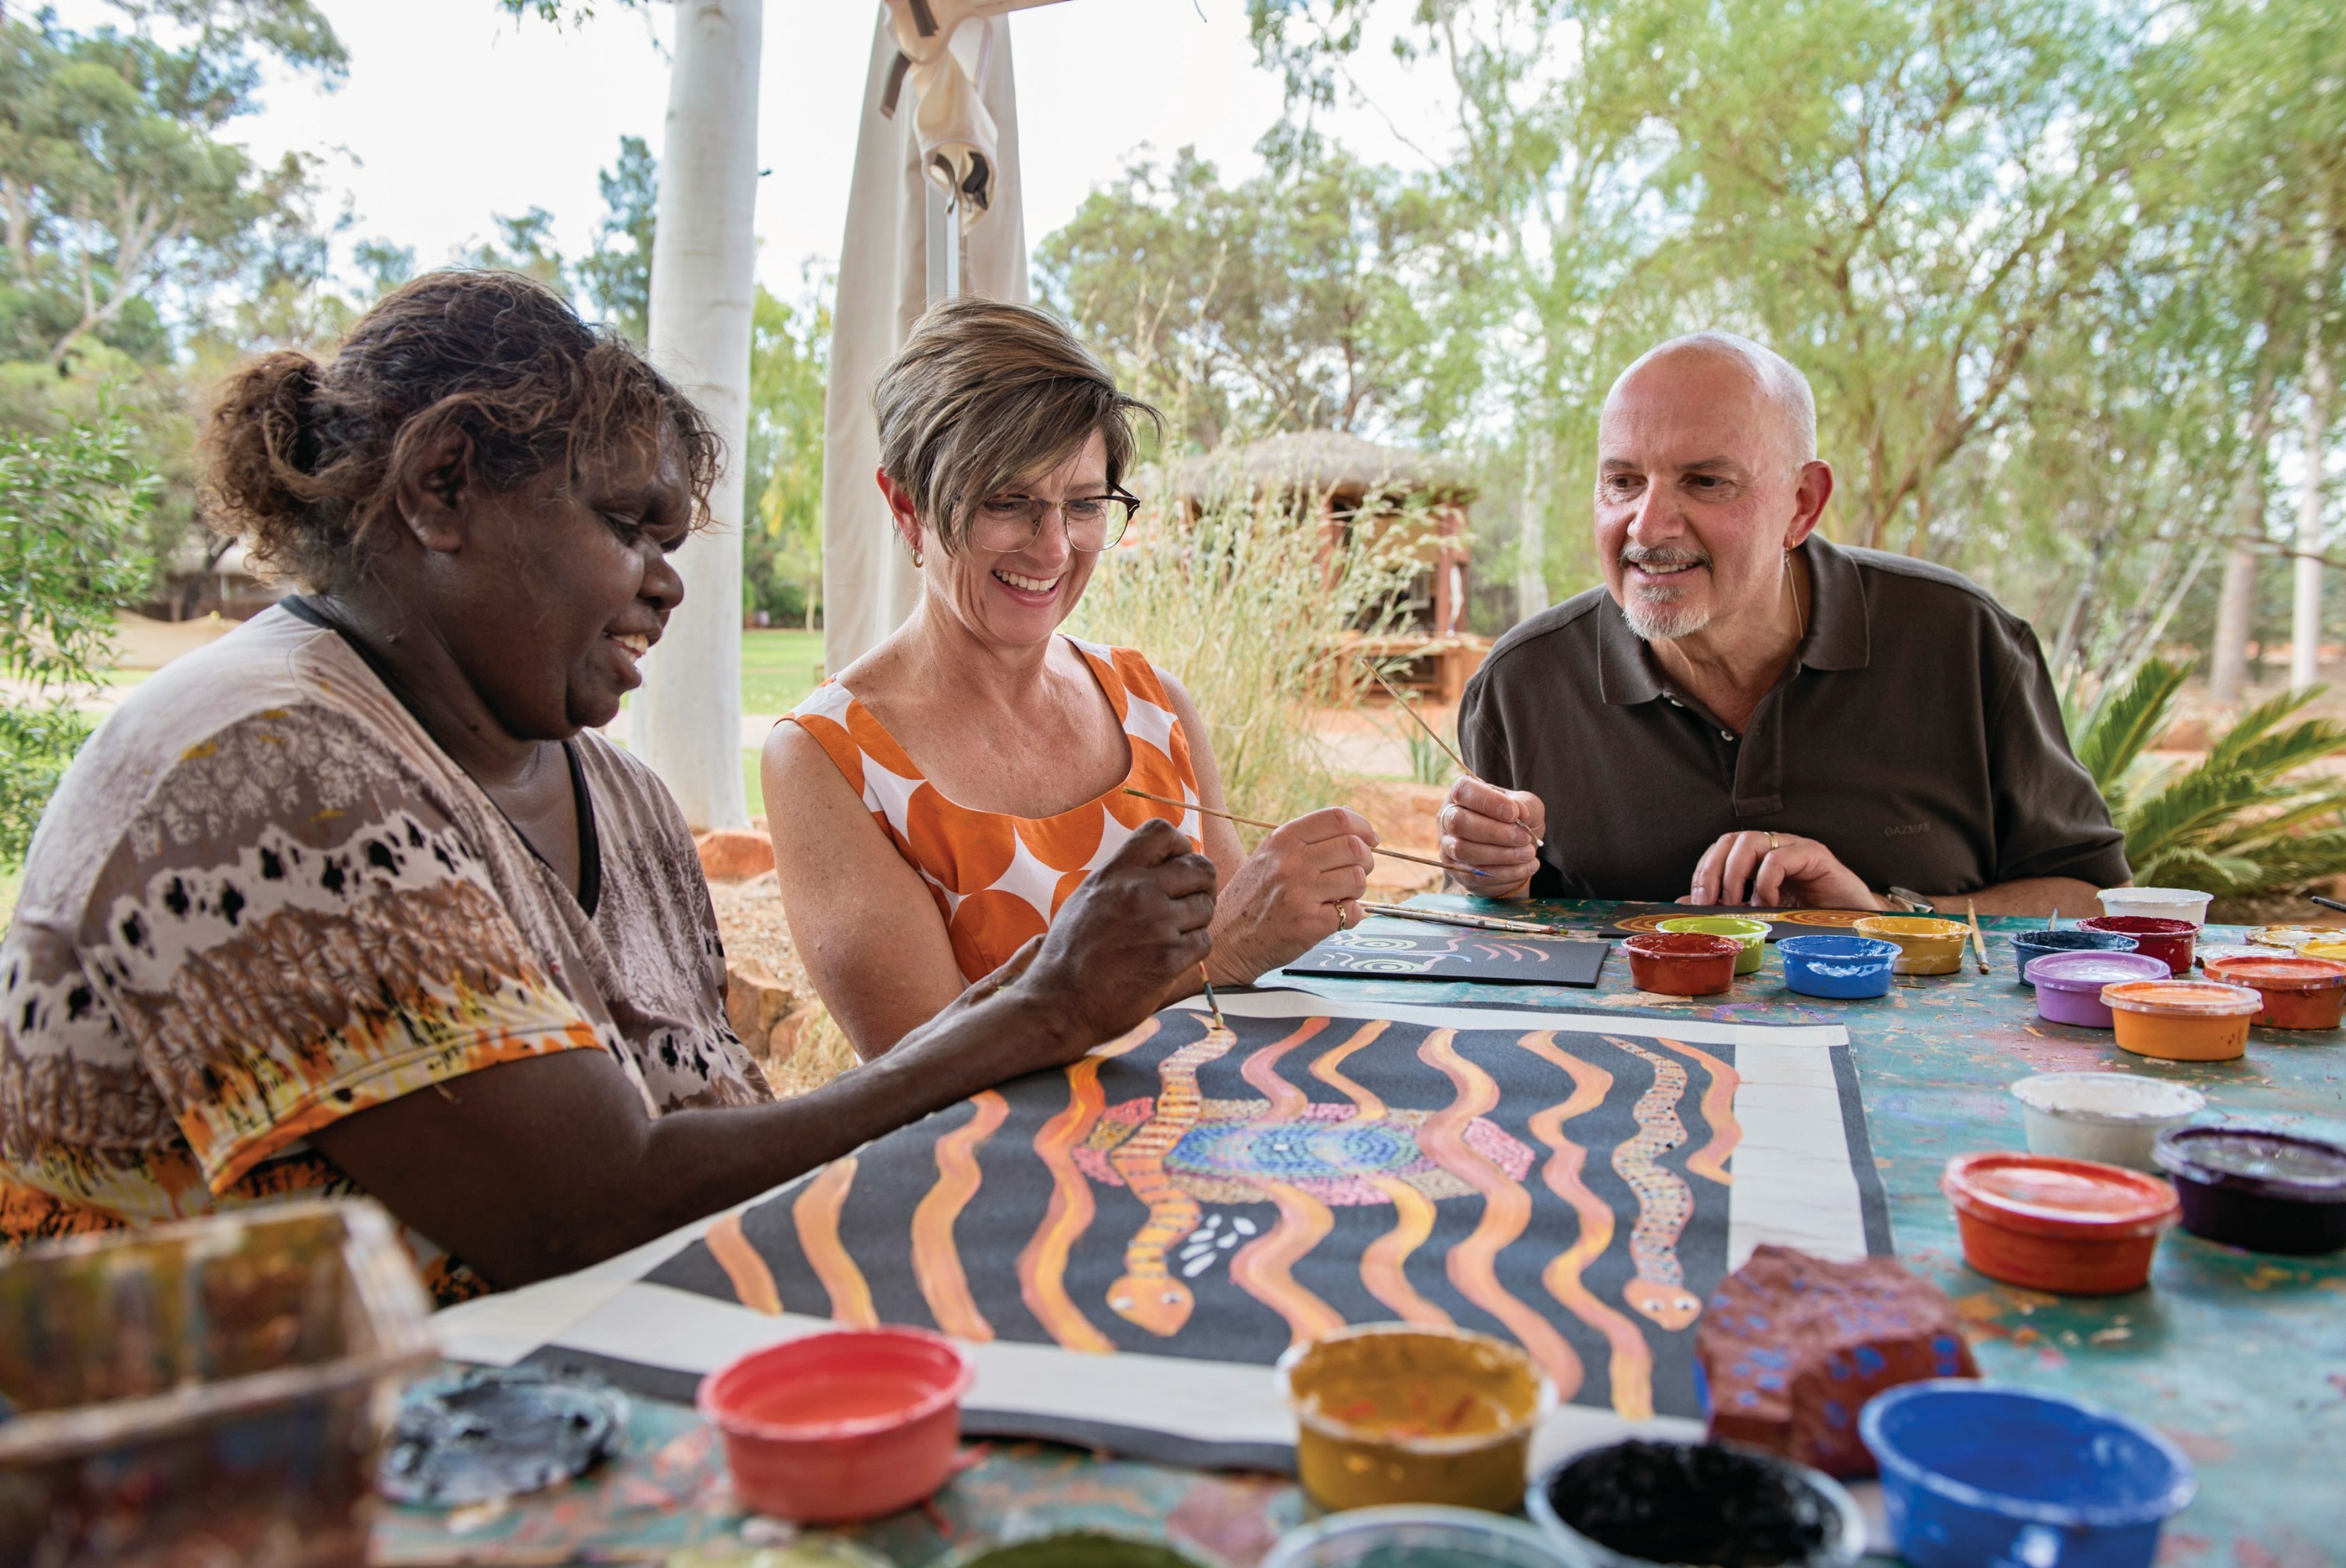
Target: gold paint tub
(1393, 1412)
(1926, 945)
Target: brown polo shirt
(1915, 734)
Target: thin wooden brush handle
(1258, 822)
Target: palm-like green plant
(2244, 819)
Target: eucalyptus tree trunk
(2305, 627)
(1531, 540)
(687, 718)
(2235, 604)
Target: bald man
(1746, 713)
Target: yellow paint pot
(1925, 945)
(1392, 1412)
(2333, 949)
(1752, 934)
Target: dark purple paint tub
(2069, 985)
(2032, 945)
(2257, 1187)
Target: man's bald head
(1779, 382)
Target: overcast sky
(453, 112)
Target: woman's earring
(916, 558)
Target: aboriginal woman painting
(934, 806)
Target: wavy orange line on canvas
(1043, 1261)
(754, 1282)
(1629, 1369)
(1382, 1264)
(816, 1214)
(1327, 1070)
(1261, 1070)
(936, 1260)
(1506, 1210)
(1718, 1109)
(1262, 1267)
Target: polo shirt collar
(1839, 636)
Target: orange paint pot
(2299, 993)
(1682, 963)
(2073, 1227)
(838, 1426)
(1398, 1412)
(2182, 1020)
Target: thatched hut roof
(1343, 466)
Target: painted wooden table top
(2240, 1356)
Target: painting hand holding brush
(1491, 837)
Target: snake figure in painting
(1664, 1201)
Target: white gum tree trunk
(2305, 624)
(685, 721)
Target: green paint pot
(1077, 1549)
(1751, 933)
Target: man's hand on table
(1777, 871)
(1496, 831)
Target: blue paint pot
(2033, 944)
(1979, 1476)
(1843, 967)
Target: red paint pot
(2071, 1227)
(1682, 963)
(840, 1426)
(2299, 992)
(2153, 934)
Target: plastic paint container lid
(2087, 970)
(2262, 1161)
(2278, 974)
(1415, 1535)
(2294, 937)
(2107, 1099)
(1682, 944)
(2184, 998)
(1911, 925)
(2043, 1194)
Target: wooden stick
(1259, 822)
(1419, 719)
(1971, 909)
(1446, 917)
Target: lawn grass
(779, 668)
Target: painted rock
(1793, 1346)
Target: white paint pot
(2113, 1117)
(2160, 904)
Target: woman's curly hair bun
(300, 457)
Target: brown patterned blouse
(263, 899)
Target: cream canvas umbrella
(933, 209)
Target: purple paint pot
(2257, 1187)
(2069, 985)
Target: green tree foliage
(2054, 266)
(70, 508)
(617, 278)
(1292, 300)
(790, 353)
(118, 185)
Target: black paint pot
(1640, 1504)
(2257, 1187)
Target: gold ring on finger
(1774, 842)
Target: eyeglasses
(1004, 524)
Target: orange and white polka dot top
(998, 879)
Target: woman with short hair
(368, 845)
(938, 802)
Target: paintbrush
(1208, 981)
(1259, 822)
(1445, 917)
(1431, 733)
(1979, 940)
(2327, 903)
